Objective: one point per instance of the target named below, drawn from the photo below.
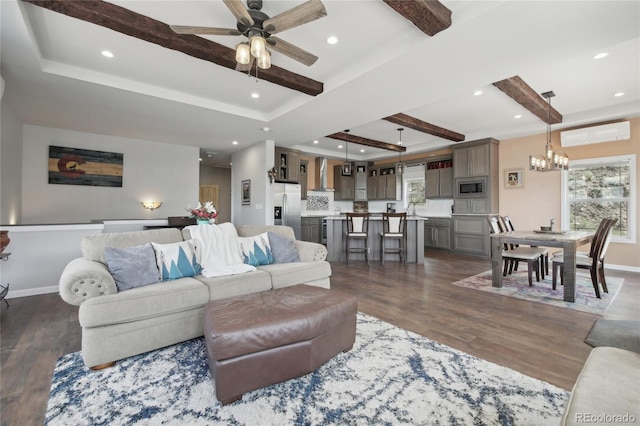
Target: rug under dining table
(516, 285)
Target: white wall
(252, 163)
(10, 166)
(152, 171)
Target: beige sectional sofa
(117, 325)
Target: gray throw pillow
(283, 249)
(132, 267)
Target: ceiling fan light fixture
(258, 46)
(264, 61)
(243, 54)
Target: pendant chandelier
(400, 165)
(551, 160)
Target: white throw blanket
(217, 250)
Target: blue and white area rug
(391, 376)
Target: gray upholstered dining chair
(394, 228)
(594, 261)
(510, 255)
(357, 230)
(544, 252)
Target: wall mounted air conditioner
(596, 134)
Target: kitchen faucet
(411, 206)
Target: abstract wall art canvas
(72, 166)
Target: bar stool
(394, 227)
(357, 229)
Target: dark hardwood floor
(536, 339)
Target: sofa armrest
(311, 252)
(83, 279)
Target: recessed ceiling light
(517, 116)
(362, 150)
(199, 159)
(255, 95)
(315, 141)
(265, 129)
(107, 54)
(235, 142)
(340, 146)
(332, 40)
(399, 142)
(477, 93)
(617, 95)
(601, 55)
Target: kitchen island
(336, 227)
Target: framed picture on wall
(246, 192)
(513, 178)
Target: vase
(4, 240)
(202, 221)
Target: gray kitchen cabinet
(372, 185)
(311, 229)
(437, 233)
(471, 161)
(361, 182)
(389, 184)
(472, 206)
(345, 186)
(471, 235)
(287, 165)
(439, 183)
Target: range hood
(322, 165)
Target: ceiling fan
(259, 28)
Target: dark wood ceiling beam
(430, 16)
(522, 93)
(342, 136)
(422, 126)
(127, 22)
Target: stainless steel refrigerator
(287, 205)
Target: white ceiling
(55, 75)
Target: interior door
(209, 193)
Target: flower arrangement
(204, 211)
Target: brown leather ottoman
(260, 339)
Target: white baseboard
(622, 268)
(31, 291)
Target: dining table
(569, 241)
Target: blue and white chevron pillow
(176, 260)
(256, 250)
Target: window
(413, 179)
(601, 187)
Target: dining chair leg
(529, 273)
(346, 250)
(594, 281)
(505, 263)
(382, 250)
(554, 275)
(603, 281)
(538, 266)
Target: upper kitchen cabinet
(345, 186)
(384, 184)
(439, 178)
(361, 182)
(475, 160)
(287, 165)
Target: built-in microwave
(471, 187)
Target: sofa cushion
(252, 230)
(236, 285)
(150, 301)
(132, 266)
(93, 245)
(176, 260)
(609, 384)
(288, 274)
(283, 249)
(256, 250)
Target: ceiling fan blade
(292, 51)
(244, 68)
(237, 8)
(306, 12)
(185, 29)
